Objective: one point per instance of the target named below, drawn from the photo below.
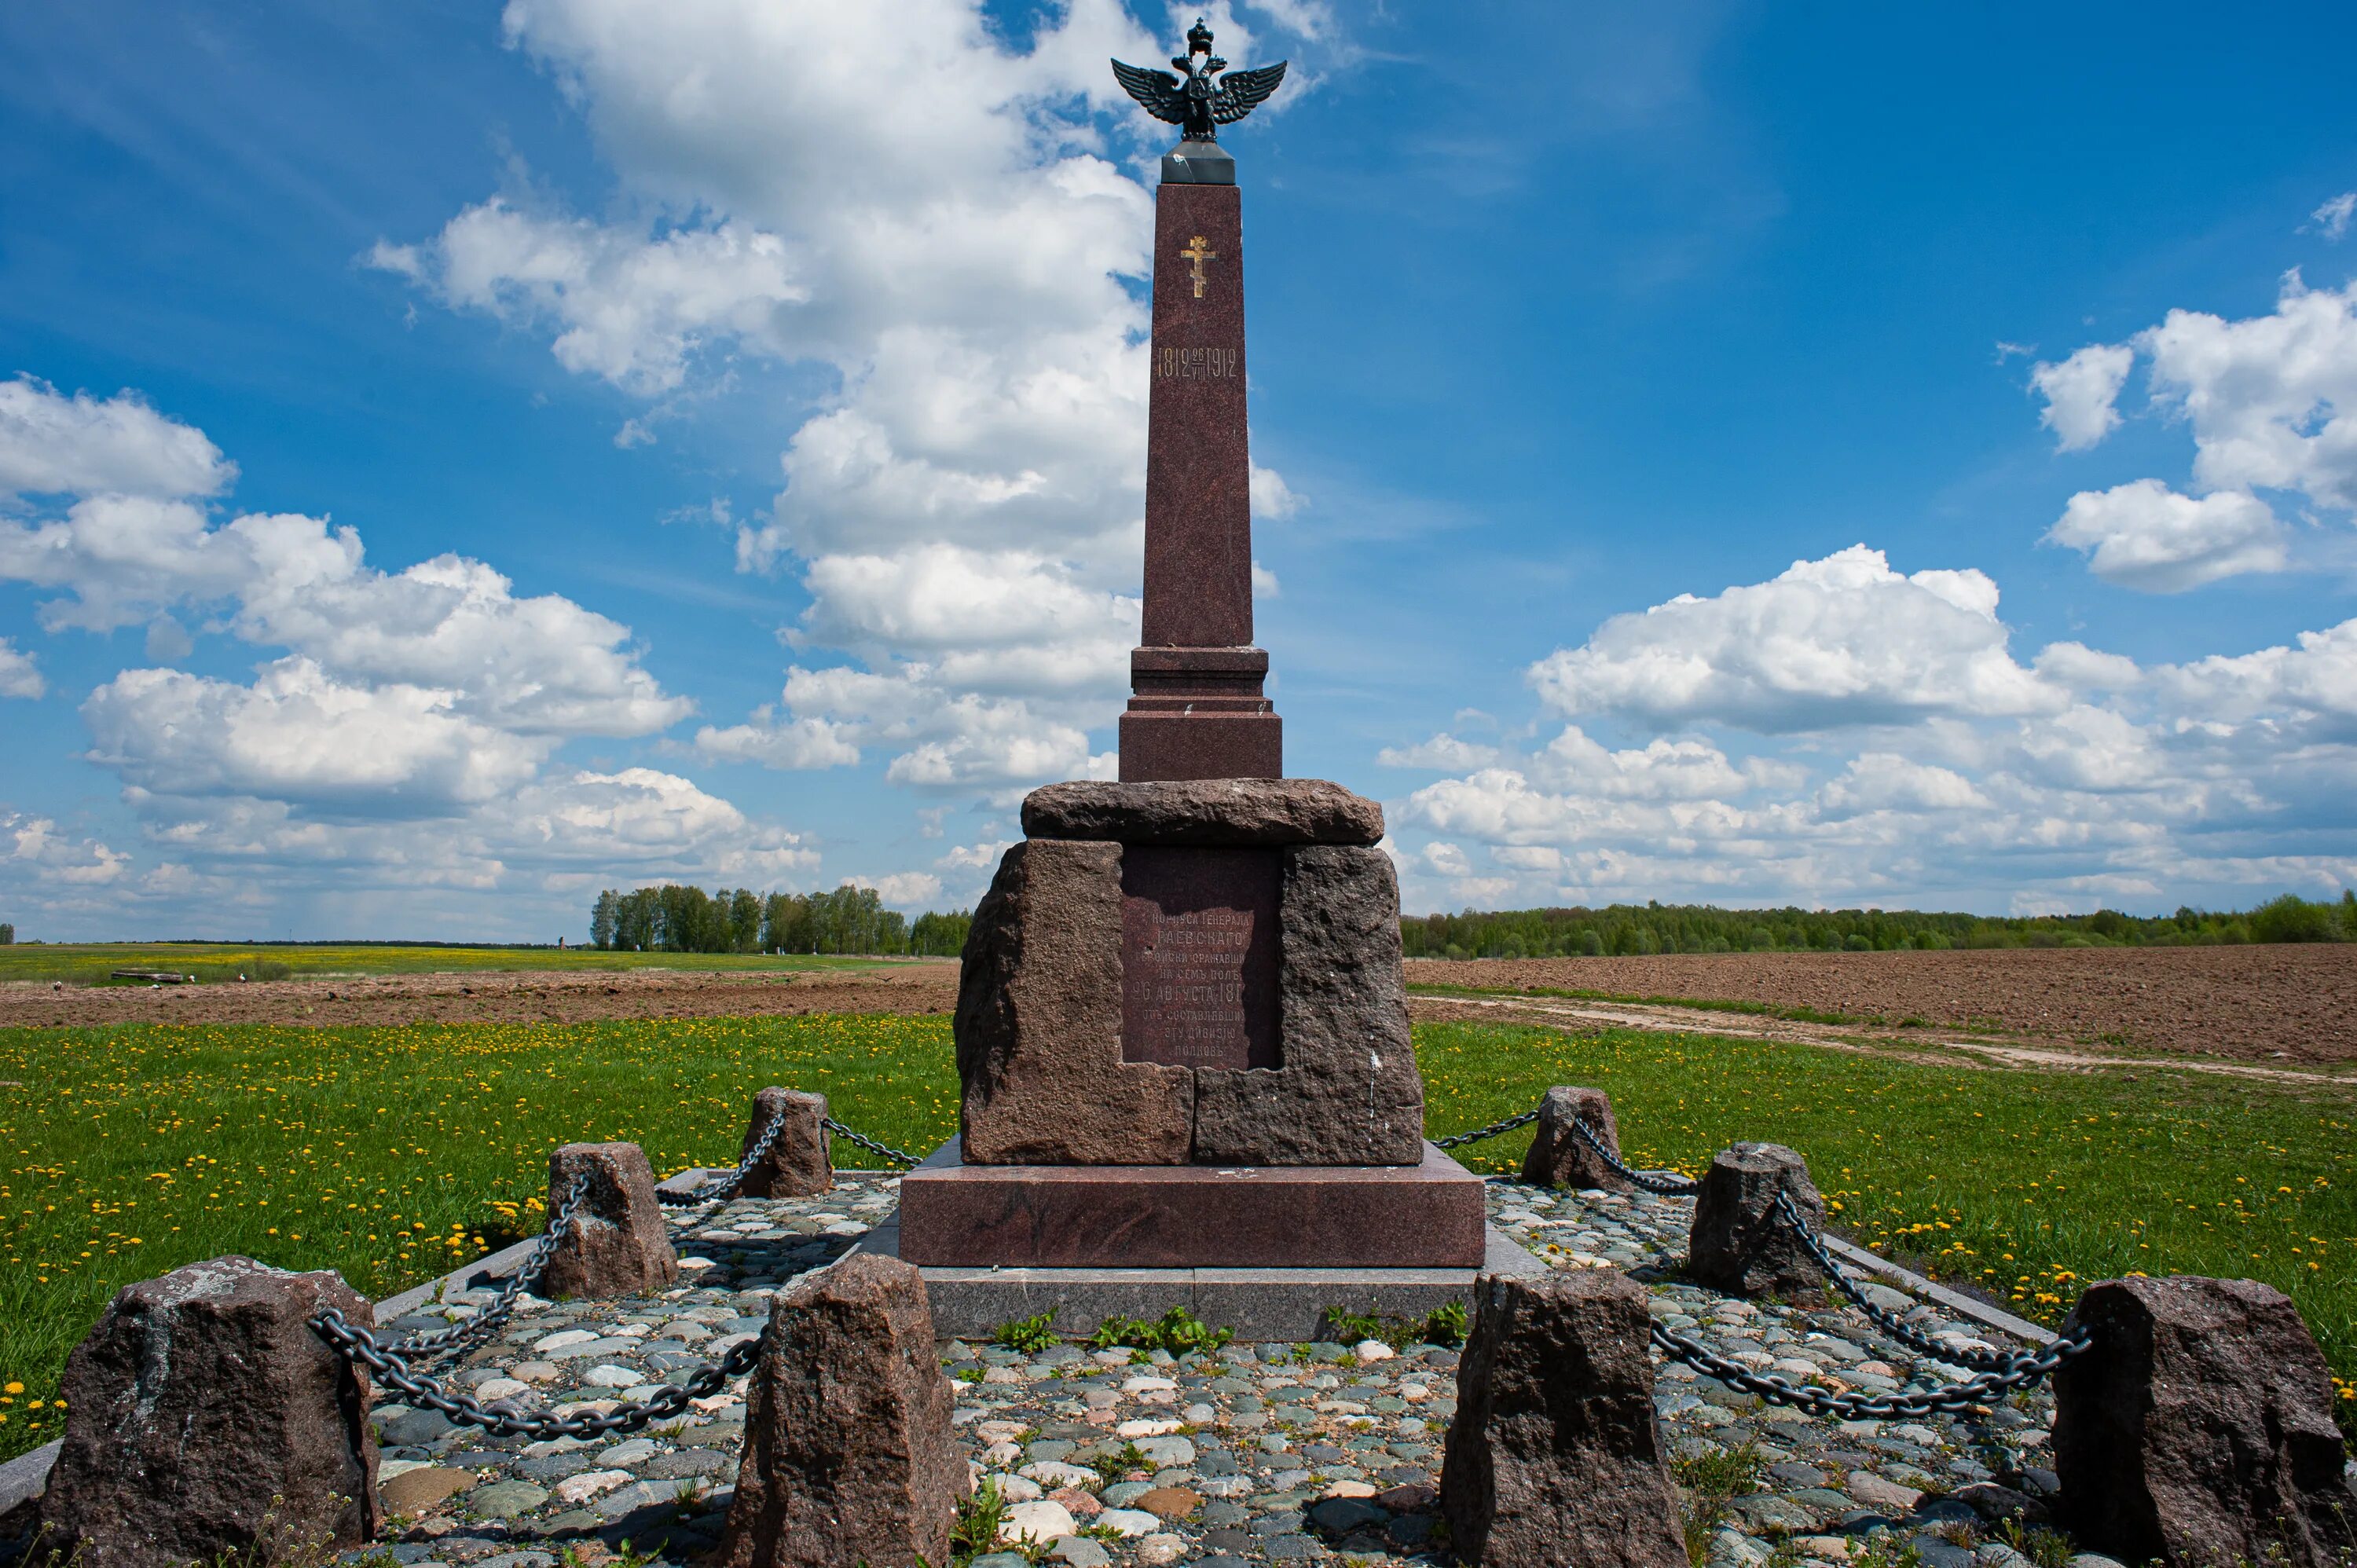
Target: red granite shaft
(1198, 469)
(1197, 711)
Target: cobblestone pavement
(1258, 1453)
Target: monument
(1182, 1032)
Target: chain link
(2019, 1372)
(443, 1341)
(1492, 1131)
(1667, 1184)
(359, 1347)
(727, 1186)
(1889, 1322)
(905, 1161)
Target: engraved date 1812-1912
(1175, 364)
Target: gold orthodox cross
(1198, 253)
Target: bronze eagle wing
(1241, 91)
(1157, 91)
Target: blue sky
(454, 458)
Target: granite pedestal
(1283, 1302)
(1183, 1217)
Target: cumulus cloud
(2273, 399)
(942, 225)
(405, 741)
(1843, 640)
(2145, 535)
(301, 736)
(543, 664)
(2271, 402)
(51, 444)
(2082, 393)
(1442, 753)
(2085, 777)
(19, 676)
(38, 856)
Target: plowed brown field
(491, 997)
(2272, 1004)
(2254, 1003)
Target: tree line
(850, 919)
(1621, 929)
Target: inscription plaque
(1199, 957)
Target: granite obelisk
(1197, 709)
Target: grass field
(392, 1154)
(215, 962)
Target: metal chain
(1889, 1322)
(727, 1186)
(905, 1161)
(1666, 1183)
(527, 1275)
(1492, 1131)
(360, 1347)
(2019, 1372)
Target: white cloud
(51, 444)
(2082, 392)
(2273, 399)
(936, 221)
(1882, 781)
(19, 676)
(800, 744)
(299, 735)
(37, 855)
(2145, 535)
(1845, 640)
(2331, 219)
(542, 664)
(403, 746)
(905, 889)
(1443, 752)
(630, 310)
(2091, 779)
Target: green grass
(90, 964)
(389, 1154)
(2026, 1182)
(392, 1154)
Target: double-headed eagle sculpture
(1196, 105)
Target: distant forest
(673, 918)
(1620, 929)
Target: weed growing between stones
(974, 1531)
(1445, 1326)
(1178, 1331)
(1029, 1335)
(1708, 1483)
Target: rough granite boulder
(1559, 1156)
(1038, 1022)
(1348, 1092)
(801, 1162)
(1270, 813)
(1740, 1242)
(1554, 1457)
(616, 1244)
(848, 1457)
(2198, 1429)
(205, 1419)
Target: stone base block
(1260, 1305)
(1425, 1216)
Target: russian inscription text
(1200, 957)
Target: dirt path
(1928, 1047)
(2293, 1004)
